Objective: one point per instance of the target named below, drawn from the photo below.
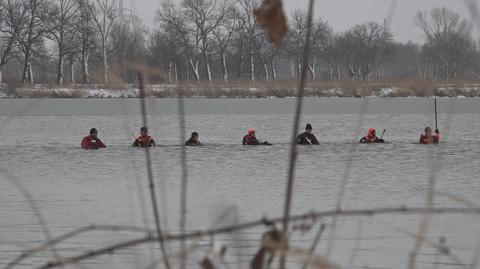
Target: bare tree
(27, 19)
(87, 29)
(449, 44)
(174, 28)
(223, 35)
(251, 28)
(296, 38)
(12, 18)
(364, 47)
(129, 36)
(104, 14)
(204, 16)
(320, 42)
(61, 24)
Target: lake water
(227, 182)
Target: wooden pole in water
(436, 126)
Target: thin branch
(441, 248)
(262, 222)
(346, 175)
(36, 211)
(296, 121)
(76, 232)
(314, 245)
(358, 242)
(150, 173)
(183, 194)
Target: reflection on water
(74, 188)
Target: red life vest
(370, 138)
(424, 139)
(145, 141)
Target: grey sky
(342, 14)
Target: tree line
(99, 41)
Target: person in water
(428, 138)
(193, 141)
(92, 141)
(371, 137)
(307, 138)
(251, 139)
(144, 140)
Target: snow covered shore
(236, 91)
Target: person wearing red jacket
(92, 141)
(428, 138)
(144, 140)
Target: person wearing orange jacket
(251, 139)
(428, 138)
(144, 140)
(92, 141)
(371, 137)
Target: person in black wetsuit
(307, 138)
(193, 141)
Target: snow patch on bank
(230, 91)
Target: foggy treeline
(99, 41)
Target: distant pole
(436, 125)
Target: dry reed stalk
(143, 108)
(183, 192)
(71, 234)
(36, 211)
(141, 197)
(458, 199)
(262, 222)
(440, 246)
(476, 256)
(344, 181)
(296, 122)
(358, 242)
(314, 245)
(426, 216)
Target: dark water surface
(39, 150)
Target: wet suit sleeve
(299, 139)
(152, 143)
(100, 144)
(85, 143)
(436, 138)
(314, 140)
(135, 143)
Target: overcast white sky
(342, 14)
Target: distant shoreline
(281, 89)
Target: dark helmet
(93, 131)
(194, 134)
(144, 129)
(308, 127)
